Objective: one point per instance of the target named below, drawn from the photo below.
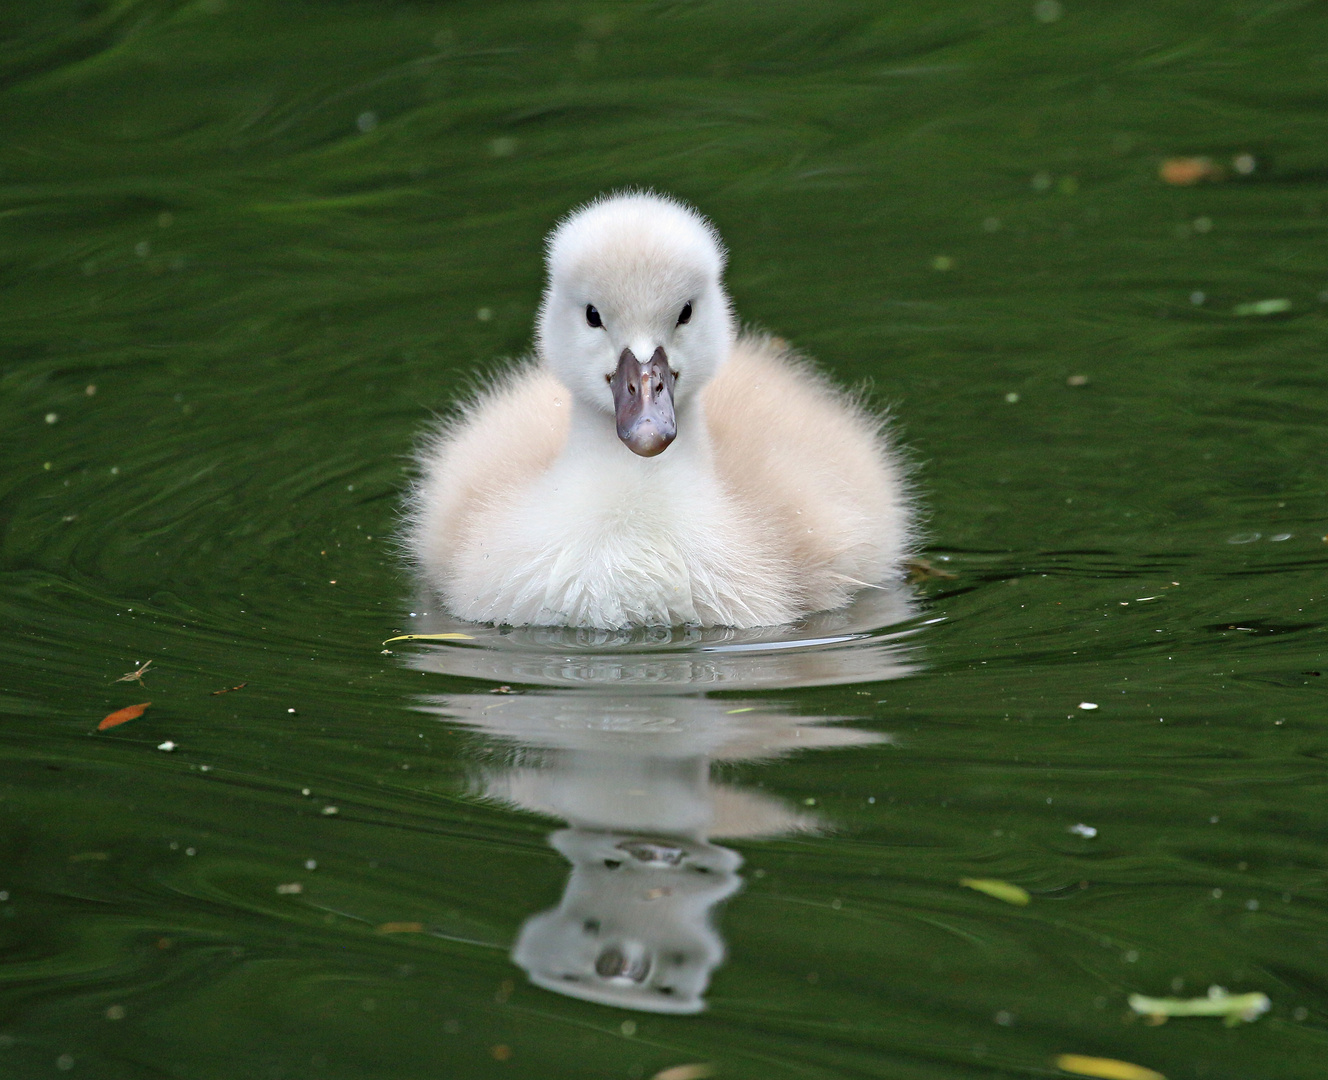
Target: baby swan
(651, 467)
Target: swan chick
(650, 466)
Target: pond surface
(250, 249)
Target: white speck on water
(1087, 705)
(1198, 297)
(1244, 164)
(304, 791)
(292, 888)
(90, 389)
(1203, 224)
(290, 710)
(1251, 905)
(168, 746)
(1047, 11)
(205, 768)
(367, 121)
(1131, 956)
(64, 1062)
(1279, 538)
(191, 851)
(1243, 538)
(1082, 830)
(1011, 398)
(1217, 894)
(311, 864)
(484, 314)
(1005, 1019)
(328, 811)
(51, 417)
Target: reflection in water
(632, 778)
(625, 759)
(860, 643)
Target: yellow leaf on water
(685, 1072)
(1105, 1068)
(429, 637)
(401, 928)
(1001, 890)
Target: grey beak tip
(643, 403)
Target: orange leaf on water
(123, 716)
(1186, 171)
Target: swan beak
(643, 402)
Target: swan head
(634, 319)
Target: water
(249, 249)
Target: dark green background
(265, 232)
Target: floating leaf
(229, 689)
(1185, 171)
(401, 928)
(699, 1071)
(137, 675)
(1233, 1008)
(1279, 306)
(1105, 1068)
(1001, 890)
(123, 716)
(921, 570)
(429, 637)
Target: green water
(277, 237)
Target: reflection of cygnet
(633, 927)
(861, 643)
(631, 775)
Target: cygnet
(651, 465)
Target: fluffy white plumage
(779, 496)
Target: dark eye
(686, 313)
(592, 316)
